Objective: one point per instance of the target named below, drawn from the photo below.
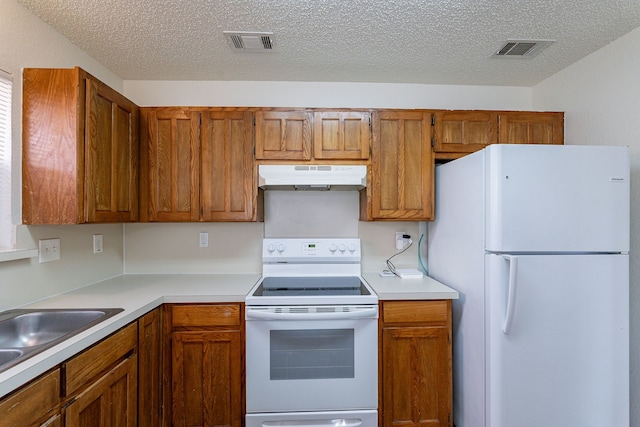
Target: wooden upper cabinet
(80, 150)
(197, 165)
(532, 128)
(341, 135)
(170, 165)
(283, 135)
(401, 167)
(462, 132)
(228, 184)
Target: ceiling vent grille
(250, 41)
(521, 48)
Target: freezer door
(548, 198)
(557, 340)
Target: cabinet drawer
(416, 311)
(205, 315)
(87, 365)
(37, 401)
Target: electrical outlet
(204, 240)
(49, 250)
(399, 240)
(98, 243)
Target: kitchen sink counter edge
(137, 294)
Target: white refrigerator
(535, 238)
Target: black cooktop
(311, 286)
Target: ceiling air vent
(522, 48)
(250, 41)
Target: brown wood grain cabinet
(341, 135)
(415, 363)
(150, 369)
(100, 385)
(283, 135)
(401, 176)
(228, 186)
(169, 165)
(80, 150)
(518, 127)
(35, 404)
(457, 133)
(206, 359)
(197, 165)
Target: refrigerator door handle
(511, 293)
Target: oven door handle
(342, 315)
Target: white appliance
(536, 239)
(311, 337)
(312, 177)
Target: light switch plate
(98, 243)
(49, 250)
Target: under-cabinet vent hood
(312, 177)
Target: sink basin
(24, 333)
(8, 355)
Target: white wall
(28, 42)
(601, 99)
(326, 95)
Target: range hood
(312, 177)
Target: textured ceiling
(393, 41)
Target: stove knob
(281, 247)
(352, 247)
(271, 247)
(333, 247)
(343, 247)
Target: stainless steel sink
(25, 333)
(8, 355)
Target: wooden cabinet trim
(411, 312)
(208, 315)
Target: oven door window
(307, 354)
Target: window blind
(7, 233)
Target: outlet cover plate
(49, 250)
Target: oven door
(320, 358)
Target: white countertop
(395, 288)
(138, 294)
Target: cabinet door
(462, 132)
(109, 402)
(341, 135)
(170, 159)
(150, 369)
(415, 387)
(34, 404)
(402, 166)
(111, 155)
(228, 185)
(415, 391)
(207, 378)
(531, 128)
(283, 135)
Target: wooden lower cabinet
(110, 401)
(35, 404)
(100, 384)
(150, 369)
(206, 359)
(415, 363)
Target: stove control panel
(310, 250)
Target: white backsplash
(311, 213)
